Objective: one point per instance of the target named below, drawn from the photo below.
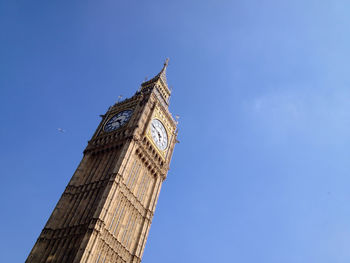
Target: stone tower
(105, 213)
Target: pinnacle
(160, 76)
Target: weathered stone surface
(105, 212)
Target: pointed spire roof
(161, 76)
(162, 73)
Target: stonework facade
(105, 213)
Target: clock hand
(159, 136)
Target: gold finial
(166, 62)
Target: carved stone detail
(101, 217)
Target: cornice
(108, 141)
(152, 160)
(50, 233)
(114, 244)
(77, 189)
(132, 199)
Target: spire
(161, 76)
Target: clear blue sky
(263, 91)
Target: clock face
(118, 120)
(159, 134)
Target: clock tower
(105, 212)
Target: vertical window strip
(131, 232)
(115, 213)
(126, 228)
(108, 165)
(139, 171)
(116, 225)
(145, 188)
(98, 258)
(141, 185)
(134, 175)
(131, 172)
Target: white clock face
(118, 120)
(159, 134)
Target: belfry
(105, 212)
